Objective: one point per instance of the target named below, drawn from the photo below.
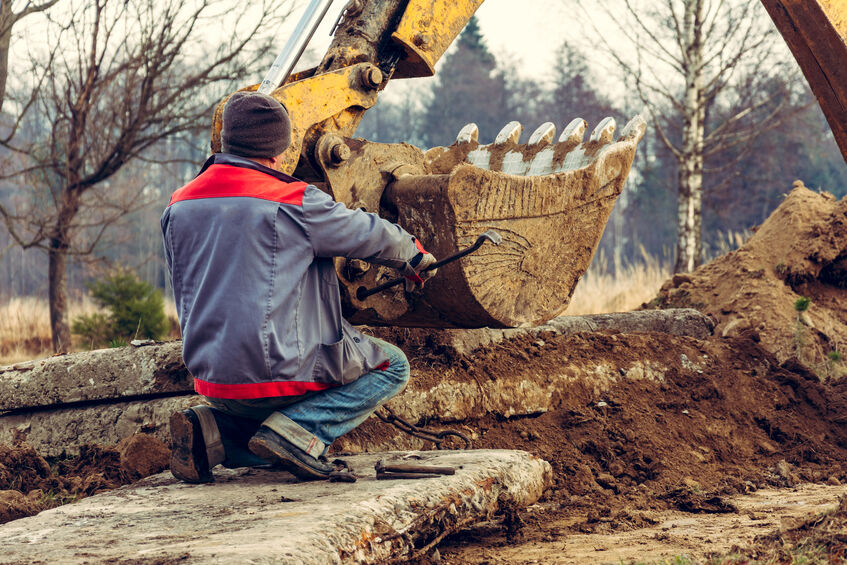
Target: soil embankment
(799, 252)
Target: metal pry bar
(487, 235)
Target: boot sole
(183, 464)
(258, 446)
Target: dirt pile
(29, 484)
(799, 252)
(724, 417)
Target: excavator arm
(373, 41)
(816, 33)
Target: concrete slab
(60, 403)
(258, 516)
(118, 373)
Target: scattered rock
(786, 471)
(606, 480)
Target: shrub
(136, 311)
(95, 329)
(802, 304)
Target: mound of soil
(726, 418)
(800, 251)
(29, 484)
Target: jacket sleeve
(336, 231)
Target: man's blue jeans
(325, 415)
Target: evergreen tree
(572, 95)
(469, 88)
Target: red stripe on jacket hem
(257, 390)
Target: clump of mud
(29, 484)
(799, 252)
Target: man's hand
(415, 274)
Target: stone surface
(58, 432)
(94, 375)
(677, 321)
(260, 516)
(61, 431)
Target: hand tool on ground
(385, 471)
(487, 235)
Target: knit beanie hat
(255, 125)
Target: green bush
(136, 311)
(95, 329)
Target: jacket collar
(244, 163)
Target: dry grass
(25, 326)
(599, 291)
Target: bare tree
(687, 58)
(10, 14)
(130, 76)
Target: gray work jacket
(249, 251)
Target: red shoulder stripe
(224, 181)
(256, 390)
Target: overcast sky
(529, 30)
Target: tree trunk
(7, 20)
(689, 211)
(58, 295)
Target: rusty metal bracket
(311, 102)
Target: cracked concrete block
(261, 516)
(116, 373)
(54, 433)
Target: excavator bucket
(548, 198)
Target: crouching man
(249, 251)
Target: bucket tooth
(511, 133)
(605, 131)
(468, 134)
(574, 132)
(543, 135)
(634, 129)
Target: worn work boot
(275, 449)
(189, 461)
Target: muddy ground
(29, 483)
(737, 423)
